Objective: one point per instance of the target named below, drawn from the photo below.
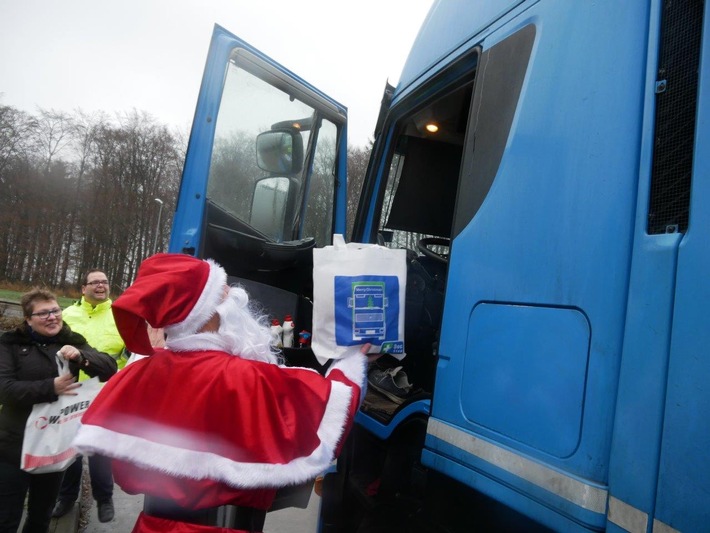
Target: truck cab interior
(417, 205)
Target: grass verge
(14, 296)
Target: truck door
(264, 182)
(264, 178)
(536, 294)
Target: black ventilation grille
(677, 88)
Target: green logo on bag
(393, 347)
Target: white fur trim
(199, 342)
(184, 462)
(206, 304)
(353, 366)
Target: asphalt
(128, 507)
(69, 522)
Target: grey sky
(150, 54)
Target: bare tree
(53, 135)
(83, 130)
(16, 133)
(78, 192)
(358, 158)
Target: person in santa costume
(212, 419)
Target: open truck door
(264, 180)
(264, 183)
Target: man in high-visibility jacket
(92, 317)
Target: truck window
(319, 211)
(446, 150)
(251, 106)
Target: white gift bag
(52, 426)
(358, 298)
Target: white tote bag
(358, 298)
(52, 426)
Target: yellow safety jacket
(97, 326)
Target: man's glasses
(44, 315)
(98, 282)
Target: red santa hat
(173, 291)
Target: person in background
(91, 317)
(212, 425)
(29, 375)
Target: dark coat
(27, 372)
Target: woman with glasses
(92, 317)
(29, 375)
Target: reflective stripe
(582, 494)
(660, 527)
(626, 516)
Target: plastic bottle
(276, 331)
(288, 332)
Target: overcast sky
(115, 56)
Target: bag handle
(338, 241)
(62, 365)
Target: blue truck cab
(541, 162)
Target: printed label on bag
(51, 428)
(66, 414)
(366, 309)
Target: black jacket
(27, 372)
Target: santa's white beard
(240, 333)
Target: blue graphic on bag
(366, 310)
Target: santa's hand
(70, 353)
(372, 356)
(65, 385)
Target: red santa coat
(206, 429)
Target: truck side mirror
(268, 208)
(280, 151)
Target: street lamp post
(157, 226)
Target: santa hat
(173, 291)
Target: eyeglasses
(98, 282)
(44, 315)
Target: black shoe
(392, 382)
(105, 511)
(61, 508)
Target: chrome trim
(627, 516)
(582, 494)
(660, 527)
